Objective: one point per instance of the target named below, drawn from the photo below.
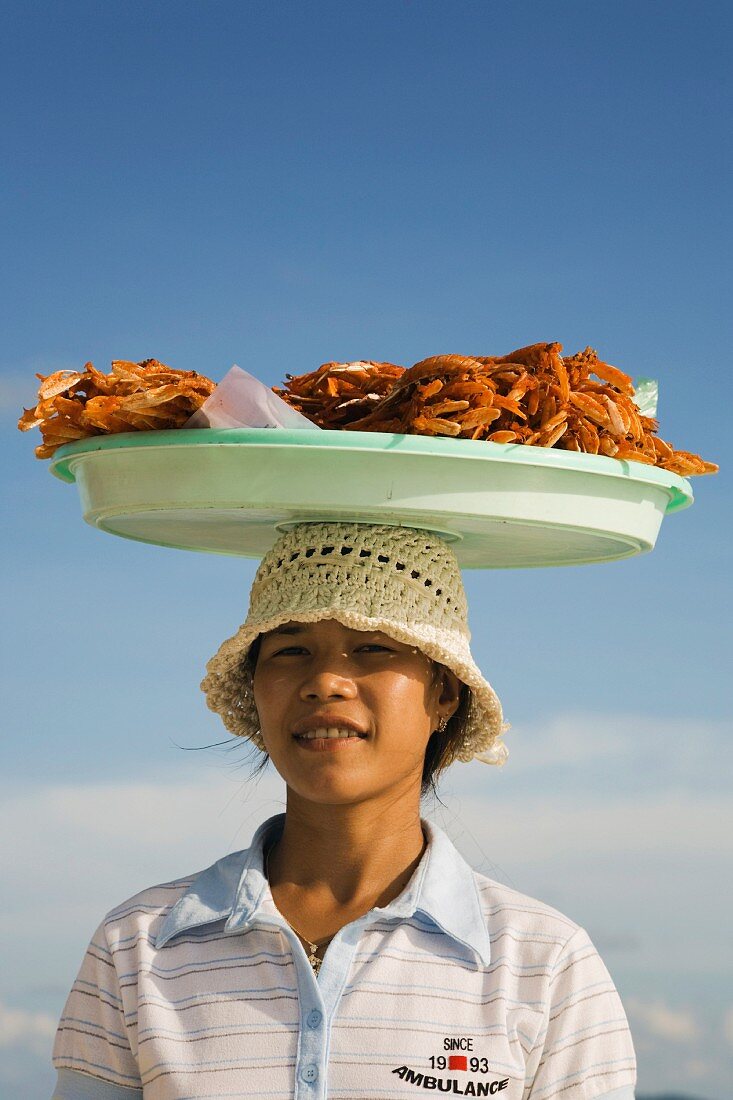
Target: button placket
(310, 1072)
(311, 1078)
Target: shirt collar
(443, 888)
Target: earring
(442, 724)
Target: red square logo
(457, 1061)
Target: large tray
(233, 490)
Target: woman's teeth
(333, 731)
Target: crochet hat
(401, 581)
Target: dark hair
(441, 747)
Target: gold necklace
(312, 957)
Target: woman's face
(389, 697)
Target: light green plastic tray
(233, 490)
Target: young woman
(349, 953)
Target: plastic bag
(646, 395)
(242, 401)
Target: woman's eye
(298, 650)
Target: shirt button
(309, 1073)
(313, 1018)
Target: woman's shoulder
(149, 907)
(505, 908)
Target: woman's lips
(328, 744)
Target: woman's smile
(323, 732)
(328, 724)
(329, 740)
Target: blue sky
(279, 185)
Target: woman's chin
(331, 784)
(331, 789)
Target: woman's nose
(328, 683)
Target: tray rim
(679, 488)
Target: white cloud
(30, 1030)
(680, 822)
(125, 836)
(145, 824)
(573, 738)
(91, 845)
(651, 749)
(675, 1025)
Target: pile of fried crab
(533, 396)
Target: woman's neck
(351, 857)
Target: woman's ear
(450, 691)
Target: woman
(350, 952)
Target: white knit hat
(401, 581)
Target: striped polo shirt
(198, 988)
